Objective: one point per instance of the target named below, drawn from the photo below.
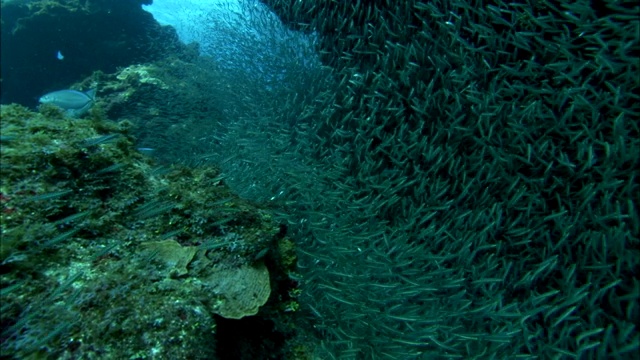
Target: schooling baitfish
(74, 103)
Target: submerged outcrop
(105, 253)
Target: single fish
(59, 55)
(74, 103)
(146, 150)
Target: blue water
(240, 36)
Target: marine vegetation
(106, 254)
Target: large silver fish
(74, 103)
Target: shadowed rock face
(92, 36)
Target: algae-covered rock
(142, 74)
(168, 100)
(105, 254)
(175, 256)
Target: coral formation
(242, 289)
(142, 74)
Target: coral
(142, 74)
(241, 290)
(60, 25)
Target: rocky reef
(106, 254)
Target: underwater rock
(100, 246)
(142, 74)
(174, 255)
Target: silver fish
(74, 103)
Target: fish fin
(91, 94)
